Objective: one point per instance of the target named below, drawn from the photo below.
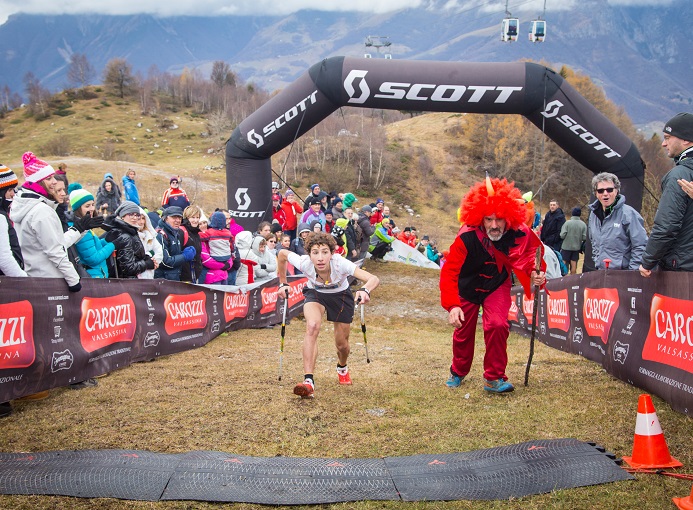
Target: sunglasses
(602, 190)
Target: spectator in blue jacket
(171, 239)
(93, 252)
(130, 188)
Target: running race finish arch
(524, 88)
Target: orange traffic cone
(684, 503)
(649, 446)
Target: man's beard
(494, 234)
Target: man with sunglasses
(616, 230)
(671, 242)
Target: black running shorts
(339, 305)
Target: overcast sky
(264, 7)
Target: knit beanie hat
(576, 211)
(217, 221)
(73, 186)
(349, 200)
(313, 186)
(127, 207)
(680, 126)
(79, 197)
(379, 201)
(288, 192)
(367, 208)
(173, 179)
(35, 170)
(8, 179)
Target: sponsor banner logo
(551, 111)
(270, 295)
(62, 360)
(621, 352)
(514, 310)
(185, 312)
(235, 305)
(527, 308)
(107, 321)
(670, 338)
(557, 307)
(258, 140)
(598, 311)
(441, 93)
(151, 339)
(17, 349)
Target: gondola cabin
(509, 29)
(537, 30)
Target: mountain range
(640, 55)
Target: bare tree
(222, 74)
(37, 95)
(118, 76)
(80, 72)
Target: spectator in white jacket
(152, 246)
(38, 227)
(265, 267)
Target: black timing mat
(505, 472)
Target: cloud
(197, 7)
(284, 7)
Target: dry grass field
(226, 397)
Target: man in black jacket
(553, 222)
(670, 245)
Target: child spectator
(220, 243)
(278, 213)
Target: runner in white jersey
(327, 290)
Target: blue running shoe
(498, 386)
(454, 381)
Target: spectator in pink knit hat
(38, 227)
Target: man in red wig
(492, 242)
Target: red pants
(496, 331)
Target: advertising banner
(50, 337)
(639, 329)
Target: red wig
(493, 196)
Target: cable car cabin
(537, 31)
(509, 29)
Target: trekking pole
(363, 328)
(535, 310)
(281, 345)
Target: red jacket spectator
(291, 210)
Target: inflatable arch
(528, 89)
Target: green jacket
(573, 233)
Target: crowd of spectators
(52, 228)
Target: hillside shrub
(58, 146)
